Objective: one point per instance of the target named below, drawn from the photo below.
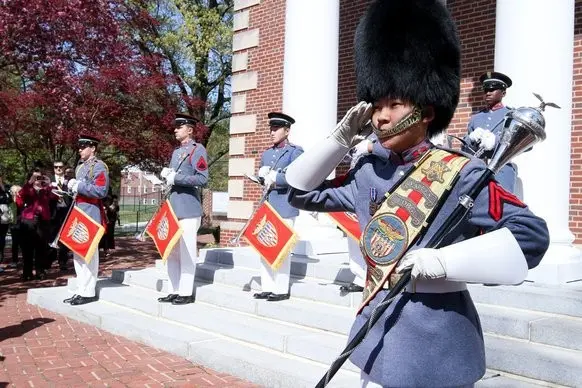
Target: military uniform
(92, 176)
(491, 119)
(277, 158)
(191, 166)
(273, 167)
(435, 332)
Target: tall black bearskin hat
(409, 49)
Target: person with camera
(5, 215)
(34, 199)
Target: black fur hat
(409, 49)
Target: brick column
(537, 54)
(257, 88)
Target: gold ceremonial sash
(404, 214)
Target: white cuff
(493, 257)
(311, 168)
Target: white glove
(476, 135)
(488, 140)
(361, 148)
(355, 126)
(73, 185)
(170, 177)
(166, 171)
(263, 171)
(54, 185)
(270, 178)
(426, 263)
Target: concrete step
(544, 328)
(264, 351)
(257, 364)
(564, 300)
(332, 267)
(244, 279)
(540, 362)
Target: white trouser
(357, 262)
(182, 260)
(86, 274)
(277, 281)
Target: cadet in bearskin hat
(274, 162)
(185, 177)
(408, 82)
(91, 185)
(486, 126)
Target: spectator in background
(59, 210)
(112, 211)
(34, 199)
(6, 215)
(15, 226)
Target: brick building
(139, 187)
(296, 56)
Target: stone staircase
(533, 334)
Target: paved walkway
(39, 348)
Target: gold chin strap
(406, 122)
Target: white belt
(436, 286)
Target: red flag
(270, 236)
(165, 230)
(81, 234)
(348, 222)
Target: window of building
(128, 189)
(145, 189)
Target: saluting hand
(355, 126)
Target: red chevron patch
(498, 197)
(201, 165)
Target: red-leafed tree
(69, 67)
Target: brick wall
(576, 148)
(476, 25)
(267, 60)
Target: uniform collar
(497, 106)
(412, 154)
(90, 159)
(188, 143)
(282, 144)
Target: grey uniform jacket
(423, 339)
(278, 158)
(191, 166)
(492, 120)
(93, 177)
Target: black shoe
(168, 299)
(277, 297)
(262, 295)
(68, 300)
(26, 277)
(183, 300)
(83, 300)
(41, 275)
(351, 288)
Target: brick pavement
(42, 349)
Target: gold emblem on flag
(266, 233)
(163, 228)
(78, 232)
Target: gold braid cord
(412, 118)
